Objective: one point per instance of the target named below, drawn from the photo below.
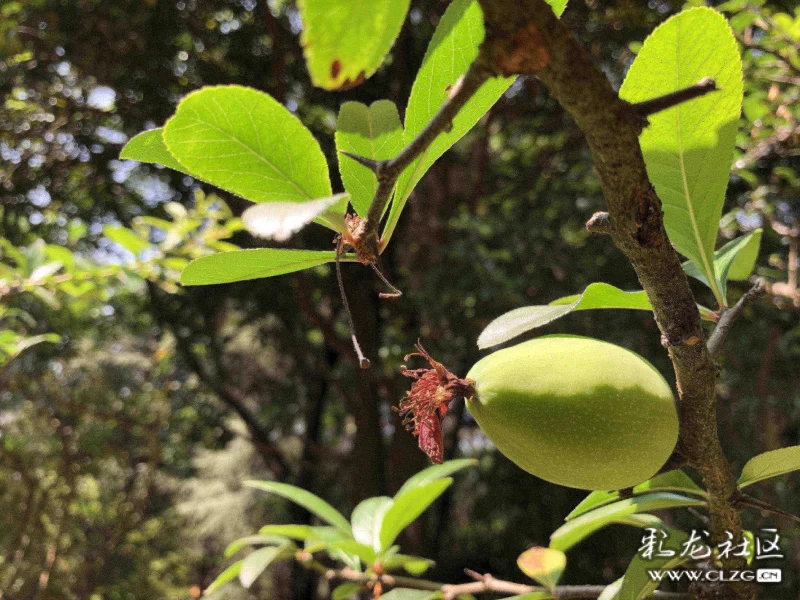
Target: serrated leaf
(435, 472)
(345, 42)
(243, 265)
(247, 143)
(636, 583)
(226, 576)
(367, 519)
(311, 502)
(126, 239)
(255, 564)
(279, 220)
(688, 149)
(770, 464)
(373, 132)
(451, 50)
(545, 565)
(409, 594)
(575, 530)
(672, 481)
(408, 506)
(148, 147)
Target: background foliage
(132, 409)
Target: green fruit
(576, 411)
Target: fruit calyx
(424, 406)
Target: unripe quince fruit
(576, 411)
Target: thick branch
(528, 28)
(729, 317)
(388, 171)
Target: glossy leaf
(247, 143)
(367, 519)
(311, 502)
(373, 132)
(409, 594)
(451, 50)
(770, 464)
(255, 564)
(435, 472)
(408, 506)
(636, 583)
(671, 481)
(148, 147)
(279, 220)
(345, 42)
(242, 265)
(226, 576)
(688, 149)
(126, 239)
(545, 565)
(575, 530)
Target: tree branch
(388, 171)
(525, 37)
(729, 316)
(701, 88)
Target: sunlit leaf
(345, 42)
(688, 149)
(575, 530)
(408, 506)
(226, 576)
(148, 147)
(367, 519)
(279, 220)
(636, 583)
(254, 540)
(311, 502)
(365, 553)
(545, 565)
(373, 132)
(770, 464)
(126, 239)
(435, 472)
(255, 564)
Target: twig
(388, 171)
(729, 317)
(701, 88)
(363, 361)
(745, 500)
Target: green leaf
(254, 540)
(344, 591)
(436, 472)
(226, 576)
(770, 464)
(636, 583)
(414, 565)
(242, 265)
(409, 594)
(345, 42)
(295, 532)
(246, 143)
(451, 50)
(311, 502)
(253, 566)
(373, 132)
(671, 481)
(367, 519)
(745, 260)
(734, 261)
(611, 590)
(545, 565)
(688, 149)
(365, 553)
(279, 220)
(531, 596)
(408, 506)
(126, 239)
(575, 530)
(148, 147)
(521, 320)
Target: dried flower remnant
(425, 406)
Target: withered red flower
(425, 406)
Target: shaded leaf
(734, 261)
(575, 530)
(373, 132)
(365, 553)
(636, 583)
(408, 506)
(414, 565)
(148, 147)
(545, 565)
(247, 143)
(435, 472)
(344, 591)
(688, 149)
(311, 502)
(226, 576)
(242, 265)
(345, 42)
(770, 464)
(745, 260)
(671, 481)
